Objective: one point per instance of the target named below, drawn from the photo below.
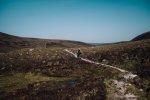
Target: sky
(91, 21)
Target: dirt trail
(122, 93)
(121, 86)
(97, 63)
(127, 76)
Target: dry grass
(55, 67)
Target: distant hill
(102, 44)
(143, 36)
(55, 74)
(10, 42)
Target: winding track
(127, 76)
(119, 84)
(97, 63)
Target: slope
(52, 73)
(10, 42)
(143, 36)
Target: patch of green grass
(20, 80)
(106, 73)
(110, 88)
(134, 90)
(129, 65)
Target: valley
(107, 72)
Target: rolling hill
(10, 42)
(36, 72)
(52, 73)
(143, 36)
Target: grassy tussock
(21, 80)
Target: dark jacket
(79, 53)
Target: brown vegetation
(10, 42)
(52, 73)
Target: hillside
(52, 73)
(10, 42)
(143, 36)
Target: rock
(20, 54)
(2, 68)
(105, 61)
(141, 89)
(57, 63)
(129, 76)
(49, 64)
(31, 50)
(43, 61)
(10, 58)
